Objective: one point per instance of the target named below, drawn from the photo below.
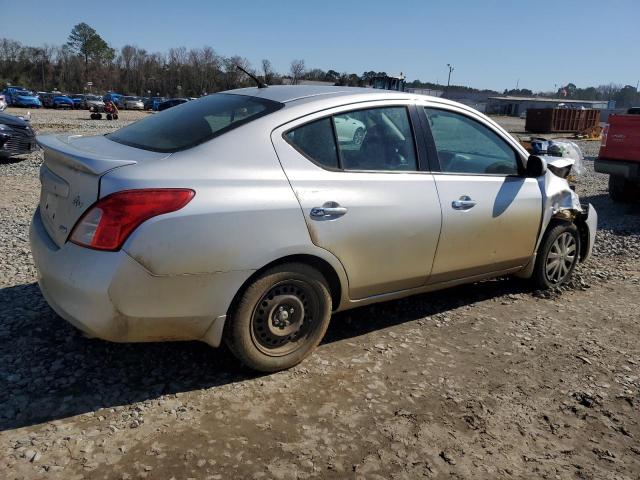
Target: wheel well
(324, 267)
(583, 231)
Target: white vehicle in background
(349, 129)
(3, 103)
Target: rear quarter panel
(244, 214)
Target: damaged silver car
(248, 216)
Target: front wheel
(358, 136)
(280, 318)
(557, 256)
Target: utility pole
(449, 78)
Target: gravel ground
(489, 380)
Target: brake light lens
(110, 221)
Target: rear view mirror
(536, 166)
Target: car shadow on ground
(619, 218)
(49, 370)
(12, 159)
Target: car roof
(292, 93)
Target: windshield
(25, 93)
(132, 98)
(193, 123)
(94, 98)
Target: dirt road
(489, 380)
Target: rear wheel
(280, 318)
(622, 190)
(557, 256)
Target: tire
(562, 242)
(621, 190)
(358, 136)
(280, 318)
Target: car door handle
(463, 203)
(322, 212)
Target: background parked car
(77, 100)
(349, 129)
(133, 103)
(3, 103)
(56, 100)
(116, 98)
(87, 101)
(16, 136)
(172, 102)
(153, 102)
(21, 97)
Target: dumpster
(551, 120)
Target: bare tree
(296, 70)
(267, 71)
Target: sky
(495, 44)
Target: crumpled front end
(560, 202)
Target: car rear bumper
(619, 168)
(109, 295)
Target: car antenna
(253, 77)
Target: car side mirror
(536, 167)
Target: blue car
(78, 100)
(21, 97)
(56, 100)
(116, 98)
(153, 103)
(63, 101)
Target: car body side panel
(387, 239)
(500, 231)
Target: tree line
(87, 58)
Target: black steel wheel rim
(284, 317)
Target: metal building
(517, 106)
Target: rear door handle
(322, 212)
(463, 203)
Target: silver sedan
(246, 216)
(132, 103)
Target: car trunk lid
(70, 176)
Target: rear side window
(315, 140)
(373, 139)
(194, 122)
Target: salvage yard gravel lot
(490, 380)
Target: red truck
(620, 156)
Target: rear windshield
(192, 123)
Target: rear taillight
(108, 223)
(605, 132)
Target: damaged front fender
(559, 202)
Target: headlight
(4, 127)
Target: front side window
(466, 146)
(375, 139)
(193, 123)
